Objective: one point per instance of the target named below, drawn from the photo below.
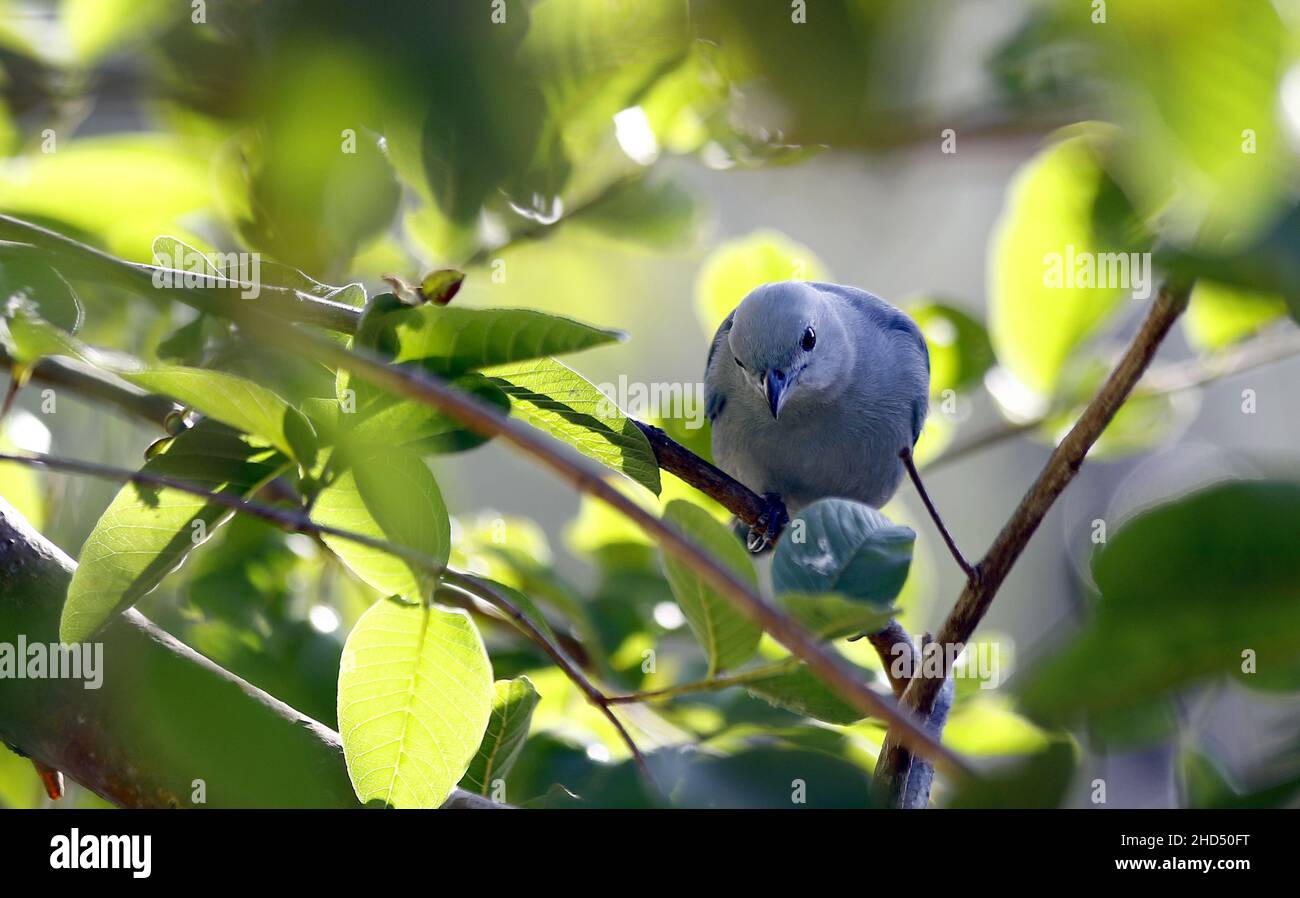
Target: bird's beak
(774, 388)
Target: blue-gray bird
(813, 390)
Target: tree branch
(89, 383)
(481, 589)
(297, 522)
(266, 322)
(895, 760)
(166, 721)
(712, 684)
(1264, 349)
(585, 476)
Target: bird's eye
(740, 364)
(809, 340)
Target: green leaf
(1206, 785)
(395, 498)
(661, 214)
(512, 711)
(1191, 589)
(839, 546)
(1197, 96)
(94, 28)
(175, 254)
(146, 532)
(29, 338)
(1219, 315)
(415, 695)
(1037, 319)
(960, 351)
(803, 692)
(233, 400)
(127, 188)
(554, 398)
(381, 421)
(1039, 781)
(452, 339)
(728, 637)
(738, 266)
(830, 615)
(26, 275)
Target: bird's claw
(769, 524)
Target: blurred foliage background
(642, 165)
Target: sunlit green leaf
(1043, 302)
(233, 400)
(96, 27)
(127, 188)
(454, 339)
(512, 710)
(959, 346)
(737, 267)
(28, 337)
(380, 420)
(415, 696)
(1219, 316)
(554, 398)
(26, 276)
(1198, 93)
(148, 531)
(392, 498)
(728, 637)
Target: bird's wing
(890, 318)
(714, 400)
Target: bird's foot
(769, 524)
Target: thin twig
(1165, 380)
(590, 479)
(712, 684)
(895, 759)
(293, 521)
(90, 383)
(971, 573)
(266, 322)
(299, 523)
(481, 589)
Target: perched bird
(813, 390)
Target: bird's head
(790, 345)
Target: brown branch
(585, 476)
(165, 718)
(1265, 349)
(895, 762)
(286, 519)
(266, 321)
(299, 523)
(89, 383)
(709, 479)
(891, 644)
